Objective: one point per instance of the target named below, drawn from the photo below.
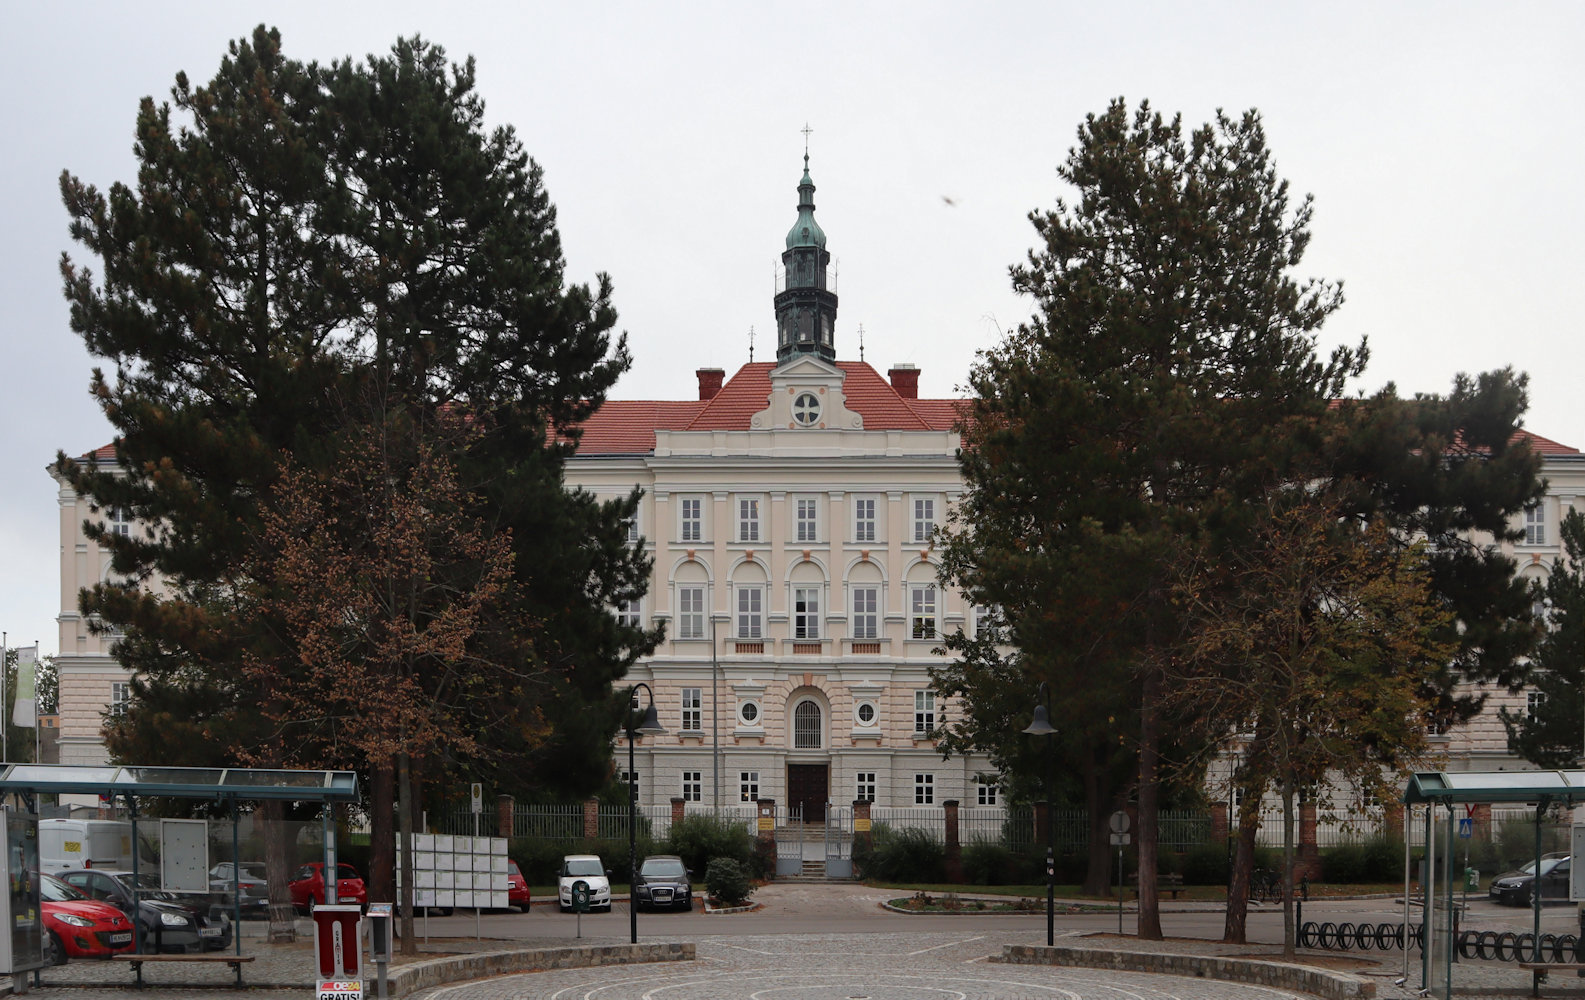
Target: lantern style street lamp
(648, 726)
(1041, 726)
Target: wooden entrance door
(808, 786)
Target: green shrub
(727, 881)
(987, 863)
(698, 839)
(907, 855)
(1206, 864)
(1373, 859)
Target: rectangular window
(808, 516)
(987, 790)
(120, 521)
(690, 612)
(631, 527)
(750, 613)
(922, 611)
(924, 789)
(1534, 525)
(866, 617)
(987, 622)
(924, 711)
(628, 781)
(692, 520)
(924, 520)
(120, 695)
(864, 788)
(806, 613)
(691, 710)
(747, 786)
(692, 787)
(629, 613)
(748, 519)
(1533, 702)
(864, 520)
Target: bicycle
(1264, 885)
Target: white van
(84, 843)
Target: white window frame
(629, 781)
(922, 608)
(690, 612)
(924, 711)
(924, 519)
(690, 513)
(750, 714)
(748, 520)
(630, 527)
(864, 519)
(119, 521)
(1535, 524)
(986, 789)
(806, 613)
(858, 714)
(120, 697)
(692, 786)
(692, 710)
(866, 612)
(750, 613)
(924, 789)
(748, 786)
(630, 613)
(1533, 700)
(806, 515)
(864, 786)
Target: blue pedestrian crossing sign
(1466, 827)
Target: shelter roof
(1446, 787)
(182, 782)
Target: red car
(517, 887)
(308, 886)
(78, 927)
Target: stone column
(954, 858)
(503, 815)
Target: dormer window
(806, 409)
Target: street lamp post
(648, 726)
(1041, 726)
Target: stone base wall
(407, 979)
(1317, 982)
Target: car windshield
(584, 866)
(662, 867)
(55, 891)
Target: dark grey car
(663, 881)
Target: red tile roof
(626, 427)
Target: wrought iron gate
(839, 841)
(789, 840)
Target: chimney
(905, 379)
(709, 382)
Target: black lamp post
(648, 726)
(1041, 726)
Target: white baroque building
(789, 510)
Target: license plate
(210, 932)
(121, 938)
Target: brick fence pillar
(1309, 862)
(862, 837)
(591, 819)
(954, 858)
(765, 841)
(677, 810)
(1218, 822)
(503, 815)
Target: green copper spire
(806, 232)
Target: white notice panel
(184, 855)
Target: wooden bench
(136, 961)
(1538, 971)
(1165, 882)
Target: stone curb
(1319, 982)
(409, 978)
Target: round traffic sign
(1119, 822)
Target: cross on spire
(806, 130)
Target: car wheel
(54, 949)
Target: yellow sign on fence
(861, 826)
(767, 823)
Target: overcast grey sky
(1440, 141)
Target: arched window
(806, 726)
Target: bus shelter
(226, 785)
(1448, 790)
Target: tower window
(806, 409)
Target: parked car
(1514, 888)
(516, 887)
(308, 886)
(663, 881)
(584, 868)
(78, 927)
(249, 882)
(166, 922)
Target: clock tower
(806, 307)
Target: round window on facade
(749, 713)
(806, 409)
(865, 713)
